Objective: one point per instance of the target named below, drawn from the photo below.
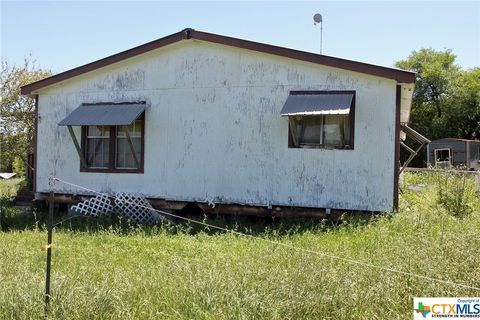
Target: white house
(201, 118)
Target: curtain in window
(309, 129)
(333, 130)
(97, 146)
(124, 157)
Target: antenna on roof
(317, 18)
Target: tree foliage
(435, 71)
(17, 112)
(446, 101)
(465, 105)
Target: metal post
(317, 18)
(49, 253)
(321, 35)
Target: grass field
(189, 273)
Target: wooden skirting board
(223, 208)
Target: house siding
(213, 130)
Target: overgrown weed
(103, 271)
(457, 193)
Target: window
(320, 119)
(443, 157)
(124, 156)
(97, 143)
(109, 149)
(112, 136)
(324, 130)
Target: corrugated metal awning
(104, 114)
(317, 104)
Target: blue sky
(64, 35)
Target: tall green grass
(183, 273)
(8, 188)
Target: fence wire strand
(285, 245)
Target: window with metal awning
(112, 138)
(320, 119)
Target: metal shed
(454, 152)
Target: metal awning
(317, 104)
(104, 114)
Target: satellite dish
(317, 18)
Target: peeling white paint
(214, 130)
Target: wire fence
(323, 254)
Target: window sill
(306, 146)
(99, 170)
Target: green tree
(464, 105)
(446, 100)
(17, 112)
(435, 72)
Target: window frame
(450, 154)
(112, 146)
(323, 146)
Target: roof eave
(30, 88)
(401, 76)
(398, 75)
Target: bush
(19, 167)
(456, 192)
(8, 188)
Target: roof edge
(398, 75)
(401, 76)
(455, 139)
(149, 46)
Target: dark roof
(454, 139)
(390, 73)
(104, 114)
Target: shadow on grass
(12, 218)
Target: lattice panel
(96, 206)
(136, 208)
